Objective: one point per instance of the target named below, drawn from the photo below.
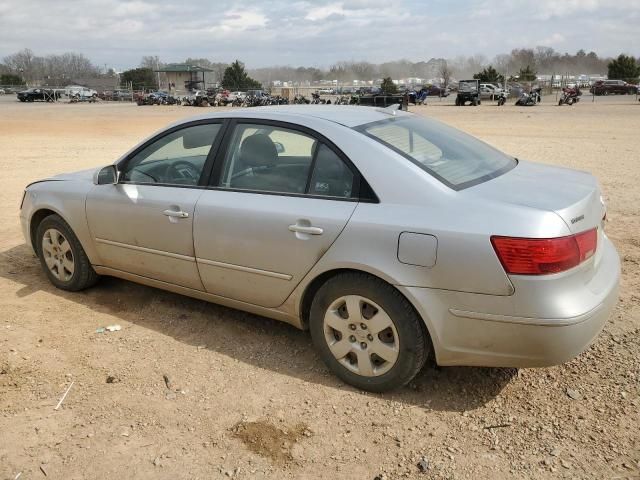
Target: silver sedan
(389, 236)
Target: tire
(74, 271)
(560, 102)
(379, 304)
(474, 102)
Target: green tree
(140, 78)
(624, 68)
(388, 87)
(236, 78)
(489, 75)
(10, 79)
(527, 74)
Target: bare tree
(445, 73)
(151, 61)
(24, 63)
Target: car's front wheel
(62, 256)
(367, 332)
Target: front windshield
(456, 159)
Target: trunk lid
(572, 194)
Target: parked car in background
(490, 91)
(255, 93)
(515, 89)
(122, 95)
(80, 91)
(38, 94)
(613, 87)
(436, 91)
(315, 215)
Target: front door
(144, 224)
(280, 198)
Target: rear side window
(331, 177)
(267, 158)
(456, 159)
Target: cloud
(314, 32)
(325, 11)
(243, 20)
(552, 40)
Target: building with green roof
(183, 77)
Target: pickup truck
(43, 94)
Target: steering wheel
(183, 170)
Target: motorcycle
(417, 98)
(530, 99)
(317, 100)
(502, 98)
(570, 96)
(301, 100)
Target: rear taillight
(541, 256)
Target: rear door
(279, 197)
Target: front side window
(456, 159)
(176, 159)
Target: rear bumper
(540, 330)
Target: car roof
(347, 115)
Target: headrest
(258, 151)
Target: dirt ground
(192, 390)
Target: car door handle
(306, 229)
(176, 213)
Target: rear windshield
(456, 159)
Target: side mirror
(279, 147)
(106, 176)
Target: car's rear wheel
(367, 333)
(62, 256)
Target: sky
(117, 33)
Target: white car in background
(489, 90)
(235, 95)
(80, 91)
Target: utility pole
(157, 72)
